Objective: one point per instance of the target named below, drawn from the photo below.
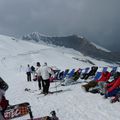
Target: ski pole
(56, 87)
(30, 112)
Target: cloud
(97, 20)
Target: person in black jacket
(33, 72)
(91, 73)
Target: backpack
(4, 103)
(32, 68)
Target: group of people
(108, 84)
(4, 103)
(43, 74)
(104, 85)
(30, 70)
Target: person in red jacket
(3, 101)
(102, 82)
(104, 77)
(113, 88)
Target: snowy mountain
(73, 104)
(78, 43)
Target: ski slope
(71, 104)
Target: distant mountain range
(78, 43)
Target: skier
(105, 77)
(3, 102)
(45, 73)
(28, 72)
(39, 77)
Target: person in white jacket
(39, 77)
(28, 73)
(45, 73)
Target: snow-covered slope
(78, 43)
(99, 47)
(73, 104)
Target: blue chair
(114, 69)
(69, 75)
(65, 73)
(98, 75)
(84, 73)
(86, 70)
(104, 69)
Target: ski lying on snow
(50, 93)
(57, 91)
(40, 118)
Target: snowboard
(17, 110)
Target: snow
(99, 47)
(72, 104)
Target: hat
(38, 63)
(45, 63)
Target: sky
(96, 20)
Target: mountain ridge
(78, 43)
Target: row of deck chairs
(94, 72)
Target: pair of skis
(50, 92)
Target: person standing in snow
(3, 102)
(39, 77)
(28, 72)
(45, 73)
(33, 72)
(1, 110)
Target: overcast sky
(97, 20)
